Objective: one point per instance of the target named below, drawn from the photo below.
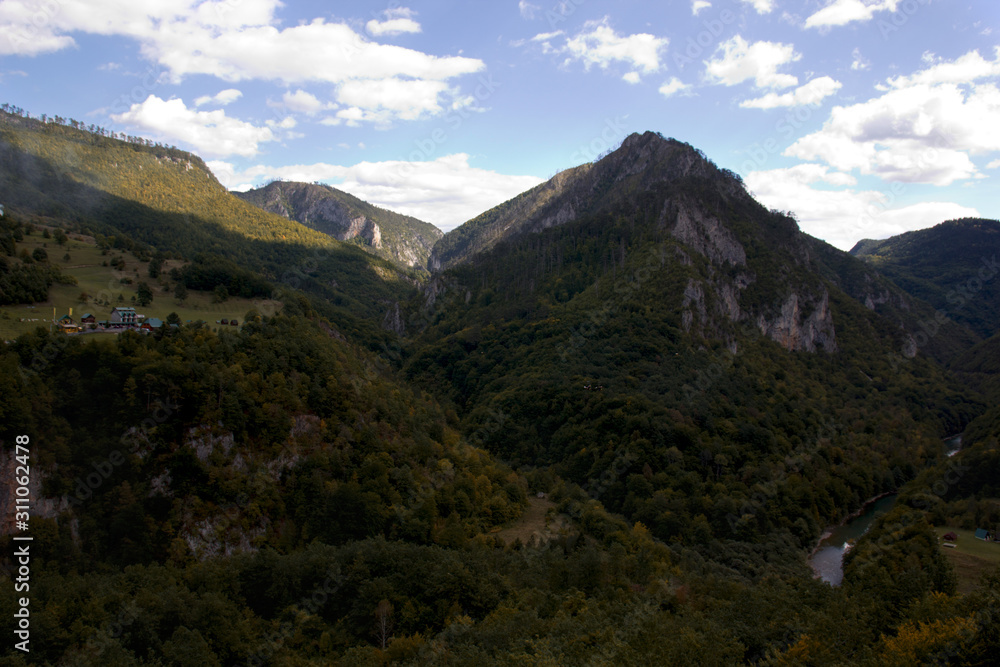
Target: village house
(123, 317)
(151, 324)
(67, 325)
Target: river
(827, 560)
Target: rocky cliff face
(401, 239)
(803, 325)
(706, 234)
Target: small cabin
(88, 318)
(982, 534)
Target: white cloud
(965, 69)
(598, 44)
(286, 123)
(210, 132)
(842, 217)
(698, 5)
(762, 6)
(740, 61)
(995, 164)
(219, 39)
(222, 98)
(812, 92)
(632, 77)
(546, 36)
(858, 63)
(446, 191)
(303, 102)
(397, 21)
(674, 86)
(527, 9)
(392, 27)
(922, 130)
(842, 12)
(393, 98)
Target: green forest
(615, 440)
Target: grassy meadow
(97, 280)
(971, 557)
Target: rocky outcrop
(707, 235)
(393, 320)
(366, 229)
(38, 507)
(694, 303)
(402, 239)
(802, 325)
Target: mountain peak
(641, 168)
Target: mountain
(769, 273)
(608, 431)
(400, 238)
(667, 338)
(953, 266)
(571, 194)
(154, 198)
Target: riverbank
(826, 558)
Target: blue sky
(866, 118)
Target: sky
(865, 118)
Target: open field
(105, 283)
(971, 558)
(534, 522)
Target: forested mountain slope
(401, 239)
(680, 348)
(168, 201)
(683, 388)
(953, 266)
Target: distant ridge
(953, 266)
(399, 238)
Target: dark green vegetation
(953, 266)
(698, 388)
(24, 278)
(150, 198)
(401, 239)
